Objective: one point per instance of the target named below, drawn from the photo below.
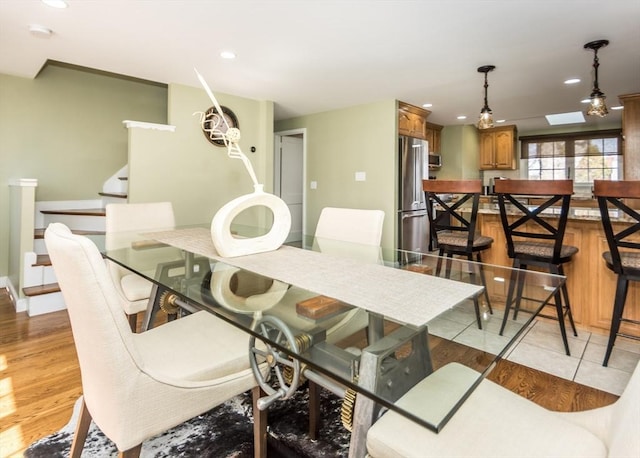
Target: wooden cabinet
(631, 135)
(412, 120)
(498, 148)
(432, 135)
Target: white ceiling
(310, 56)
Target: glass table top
(360, 318)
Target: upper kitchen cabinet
(412, 120)
(498, 148)
(631, 135)
(432, 135)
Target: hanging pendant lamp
(486, 115)
(597, 106)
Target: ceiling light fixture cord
(597, 106)
(486, 115)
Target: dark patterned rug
(225, 431)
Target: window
(583, 157)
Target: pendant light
(597, 106)
(486, 115)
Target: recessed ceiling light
(572, 81)
(228, 55)
(619, 107)
(462, 117)
(585, 101)
(40, 31)
(557, 119)
(55, 3)
(427, 105)
(500, 121)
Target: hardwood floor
(40, 378)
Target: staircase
(40, 286)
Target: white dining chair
(495, 422)
(122, 220)
(138, 385)
(355, 233)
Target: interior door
(291, 182)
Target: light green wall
(339, 144)
(184, 168)
(65, 129)
(460, 152)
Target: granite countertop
(575, 213)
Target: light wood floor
(40, 378)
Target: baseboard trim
(19, 304)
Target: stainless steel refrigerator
(413, 224)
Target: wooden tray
(320, 307)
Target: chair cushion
(227, 345)
(135, 288)
(629, 260)
(492, 422)
(542, 250)
(460, 239)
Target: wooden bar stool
(453, 227)
(623, 256)
(536, 241)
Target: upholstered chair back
(351, 225)
(101, 332)
(350, 232)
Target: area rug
(225, 431)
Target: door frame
(277, 168)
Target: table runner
(402, 295)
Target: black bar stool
(623, 256)
(453, 226)
(536, 241)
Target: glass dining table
(367, 323)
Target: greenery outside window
(583, 157)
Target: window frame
(569, 141)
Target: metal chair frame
(456, 218)
(610, 195)
(554, 192)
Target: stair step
(41, 289)
(77, 212)
(121, 195)
(43, 260)
(39, 233)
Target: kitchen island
(591, 284)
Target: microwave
(435, 161)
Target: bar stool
(626, 262)
(453, 226)
(534, 241)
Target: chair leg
(82, 429)
(131, 453)
(616, 317)
(133, 322)
(259, 425)
(314, 410)
(560, 313)
(520, 290)
(515, 273)
(476, 306)
(484, 283)
(439, 263)
(567, 304)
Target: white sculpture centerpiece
(224, 242)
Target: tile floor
(540, 347)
